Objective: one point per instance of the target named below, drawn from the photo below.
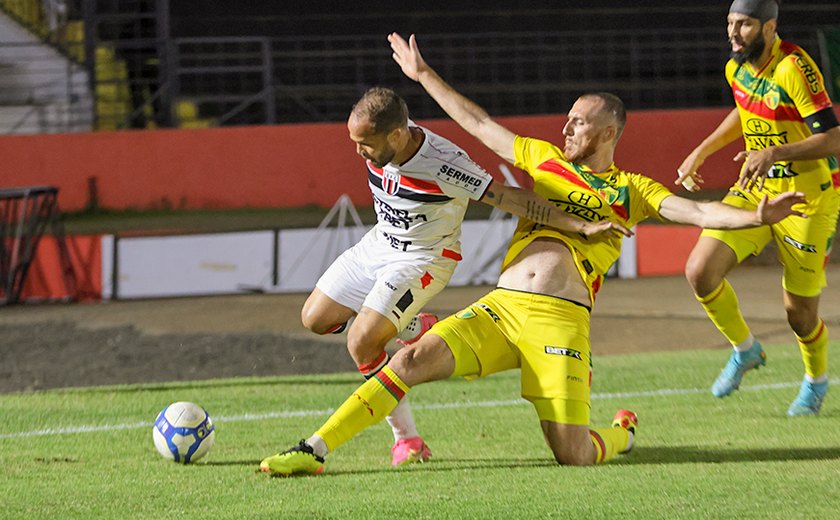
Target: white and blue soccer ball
(183, 432)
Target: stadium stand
(191, 63)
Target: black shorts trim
(587, 307)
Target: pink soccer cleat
(409, 451)
(415, 330)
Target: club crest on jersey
(771, 99)
(390, 181)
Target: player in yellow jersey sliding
(792, 136)
(537, 319)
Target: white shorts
(394, 283)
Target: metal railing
(246, 81)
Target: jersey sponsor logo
(758, 126)
(808, 248)
(458, 176)
(812, 77)
(587, 200)
(615, 196)
(760, 142)
(399, 218)
(390, 182)
(781, 171)
(490, 311)
(396, 243)
(563, 351)
(584, 213)
(581, 204)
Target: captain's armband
(822, 121)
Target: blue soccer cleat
(739, 363)
(809, 400)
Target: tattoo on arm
(537, 212)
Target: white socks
(745, 345)
(402, 421)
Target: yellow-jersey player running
(791, 135)
(537, 319)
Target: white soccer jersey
(420, 204)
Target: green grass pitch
(88, 453)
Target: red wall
(296, 165)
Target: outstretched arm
(527, 204)
(717, 215)
(467, 114)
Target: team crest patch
(466, 314)
(771, 99)
(390, 181)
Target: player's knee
(570, 456)
(360, 351)
(405, 361)
(309, 320)
(801, 321)
(702, 280)
(315, 323)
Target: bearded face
(746, 37)
(750, 52)
(373, 146)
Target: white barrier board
(220, 263)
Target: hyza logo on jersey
(390, 181)
(758, 126)
(587, 200)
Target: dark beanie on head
(762, 9)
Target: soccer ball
(183, 432)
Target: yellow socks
(368, 405)
(814, 348)
(722, 307)
(609, 442)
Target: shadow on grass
(640, 455)
(435, 466)
(690, 454)
(167, 386)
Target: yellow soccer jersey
(623, 197)
(783, 102)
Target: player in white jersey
(421, 185)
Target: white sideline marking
(435, 406)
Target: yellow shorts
(803, 243)
(547, 337)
